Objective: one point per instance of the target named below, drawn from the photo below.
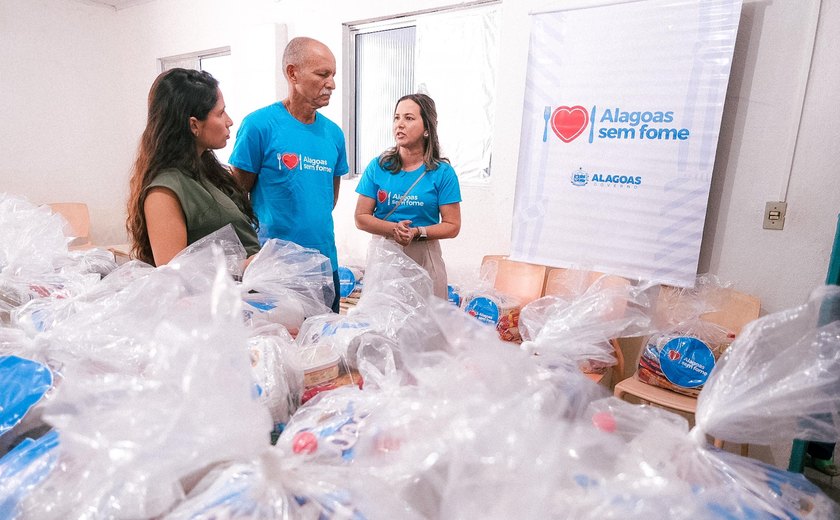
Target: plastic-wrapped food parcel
(451, 423)
(480, 432)
(474, 428)
(181, 400)
(35, 261)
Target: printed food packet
(681, 359)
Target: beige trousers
(427, 253)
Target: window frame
(195, 56)
(349, 32)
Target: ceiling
(115, 4)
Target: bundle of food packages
(496, 309)
(168, 395)
(578, 327)
(681, 355)
(285, 283)
(351, 280)
(35, 261)
(324, 363)
(682, 359)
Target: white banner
(622, 112)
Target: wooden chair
(122, 253)
(520, 280)
(737, 310)
(78, 223)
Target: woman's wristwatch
(421, 233)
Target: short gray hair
(297, 50)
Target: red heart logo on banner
(290, 160)
(569, 122)
(381, 196)
(673, 355)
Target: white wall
(75, 98)
(759, 122)
(63, 137)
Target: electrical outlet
(774, 215)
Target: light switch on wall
(774, 215)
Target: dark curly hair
(167, 142)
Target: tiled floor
(831, 486)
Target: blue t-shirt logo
(289, 160)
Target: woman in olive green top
(179, 190)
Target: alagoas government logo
(580, 177)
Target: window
(452, 56)
(218, 63)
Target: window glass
(451, 56)
(218, 63)
(384, 73)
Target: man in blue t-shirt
(291, 158)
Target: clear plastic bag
(682, 358)
(685, 346)
(780, 379)
(777, 382)
(275, 488)
(31, 238)
(393, 311)
(322, 347)
(278, 369)
(664, 466)
(194, 259)
(131, 431)
(489, 306)
(25, 468)
(88, 261)
(288, 283)
(576, 328)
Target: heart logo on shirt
(290, 160)
(569, 122)
(673, 355)
(381, 196)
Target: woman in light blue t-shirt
(410, 193)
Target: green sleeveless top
(206, 208)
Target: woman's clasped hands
(403, 234)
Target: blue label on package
(346, 282)
(27, 465)
(453, 296)
(484, 309)
(24, 383)
(686, 361)
(263, 305)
